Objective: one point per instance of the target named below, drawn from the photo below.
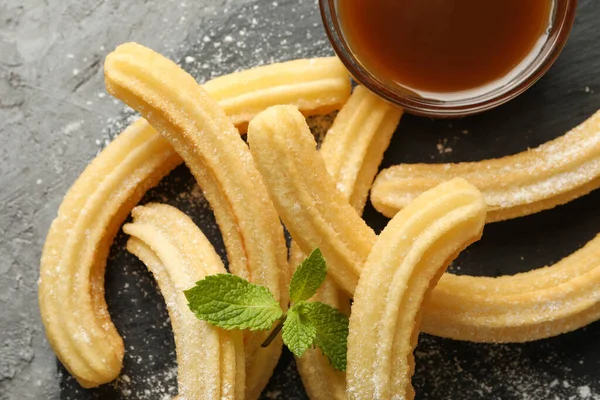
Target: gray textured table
(55, 116)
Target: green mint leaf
(298, 331)
(230, 302)
(332, 331)
(309, 276)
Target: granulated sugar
(536, 371)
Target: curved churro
(354, 145)
(305, 195)
(352, 151)
(535, 180)
(528, 306)
(316, 86)
(210, 360)
(407, 259)
(317, 215)
(71, 288)
(100, 200)
(172, 101)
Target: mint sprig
(230, 302)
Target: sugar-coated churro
(354, 145)
(109, 188)
(319, 378)
(316, 86)
(172, 101)
(210, 360)
(535, 180)
(529, 306)
(71, 288)
(407, 259)
(352, 151)
(317, 215)
(305, 195)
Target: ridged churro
(210, 360)
(316, 86)
(100, 200)
(528, 306)
(352, 151)
(407, 259)
(535, 180)
(305, 195)
(172, 101)
(319, 378)
(71, 288)
(354, 145)
(317, 215)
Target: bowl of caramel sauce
(448, 58)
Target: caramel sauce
(443, 45)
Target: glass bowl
(462, 103)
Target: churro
(172, 101)
(407, 259)
(352, 151)
(305, 195)
(101, 198)
(316, 86)
(71, 288)
(528, 306)
(354, 145)
(522, 184)
(317, 215)
(320, 379)
(210, 360)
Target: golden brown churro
(210, 360)
(71, 289)
(529, 306)
(99, 201)
(172, 101)
(305, 195)
(316, 86)
(319, 378)
(354, 145)
(317, 215)
(408, 258)
(538, 179)
(352, 151)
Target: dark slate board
(565, 367)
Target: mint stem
(274, 332)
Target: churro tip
(273, 113)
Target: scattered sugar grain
(584, 392)
(443, 147)
(72, 127)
